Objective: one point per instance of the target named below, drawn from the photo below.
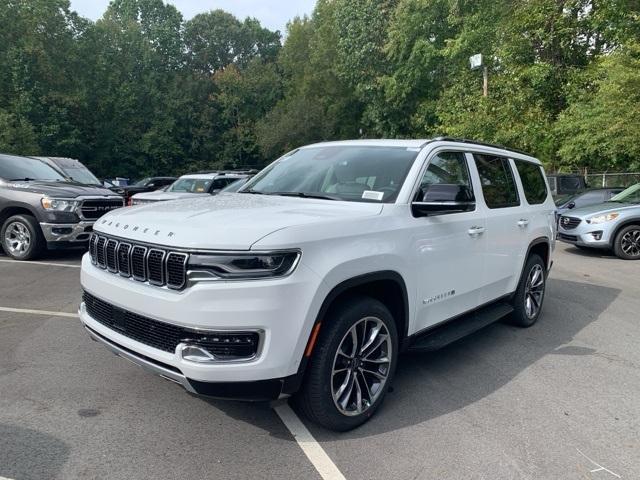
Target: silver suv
(614, 224)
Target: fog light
(61, 231)
(193, 353)
(597, 235)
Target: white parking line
(5, 478)
(29, 262)
(38, 312)
(311, 448)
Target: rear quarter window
(533, 184)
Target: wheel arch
(540, 246)
(19, 209)
(625, 223)
(388, 286)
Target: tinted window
(533, 184)
(498, 186)
(446, 179)
(349, 173)
(23, 168)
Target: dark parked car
(40, 209)
(566, 184)
(584, 199)
(148, 184)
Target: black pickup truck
(40, 209)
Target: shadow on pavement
(27, 454)
(433, 384)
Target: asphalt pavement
(556, 401)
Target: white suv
(323, 268)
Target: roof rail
(475, 142)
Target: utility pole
(476, 61)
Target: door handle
(523, 222)
(475, 231)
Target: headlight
(242, 266)
(59, 204)
(603, 218)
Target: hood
(605, 207)
(61, 189)
(160, 196)
(229, 221)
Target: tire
(529, 297)
(22, 238)
(627, 243)
(320, 398)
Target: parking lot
(559, 400)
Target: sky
(273, 14)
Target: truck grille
(164, 336)
(156, 266)
(569, 223)
(94, 209)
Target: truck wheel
(527, 302)
(627, 243)
(352, 365)
(22, 238)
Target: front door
(448, 248)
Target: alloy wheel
(534, 291)
(630, 243)
(361, 366)
(17, 238)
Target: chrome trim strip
(141, 362)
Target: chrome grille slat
(156, 266)
(110, 255)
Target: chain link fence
(604, 180)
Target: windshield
(190, 185)
(234, 186)
(81, 175)
(23, 168)
(348, 173)
(142, 183)
(630, 195)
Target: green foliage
(142, 91)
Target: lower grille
(164, 336)
(570, 238)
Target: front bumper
(586, 235)
(262, 390)
(278, 308)
(67, 232)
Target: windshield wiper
(24, 179)
(305, 195)
(251, 190)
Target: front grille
(166, 337)
(158, 266)
(94, 209)
(569, 223)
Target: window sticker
(372, 195)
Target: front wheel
(352, 365)
(527, 301)
(627, 243)
(22, 238)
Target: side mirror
(425, 209)
(216, 191)
(442, 198)
(571, 205)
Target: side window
(533, 184)
(496, 178)
(446, 179)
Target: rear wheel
(22, 238)
(527, 301)
(352, 365)
(627, 243)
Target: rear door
(505, 234)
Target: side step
(454, 330)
